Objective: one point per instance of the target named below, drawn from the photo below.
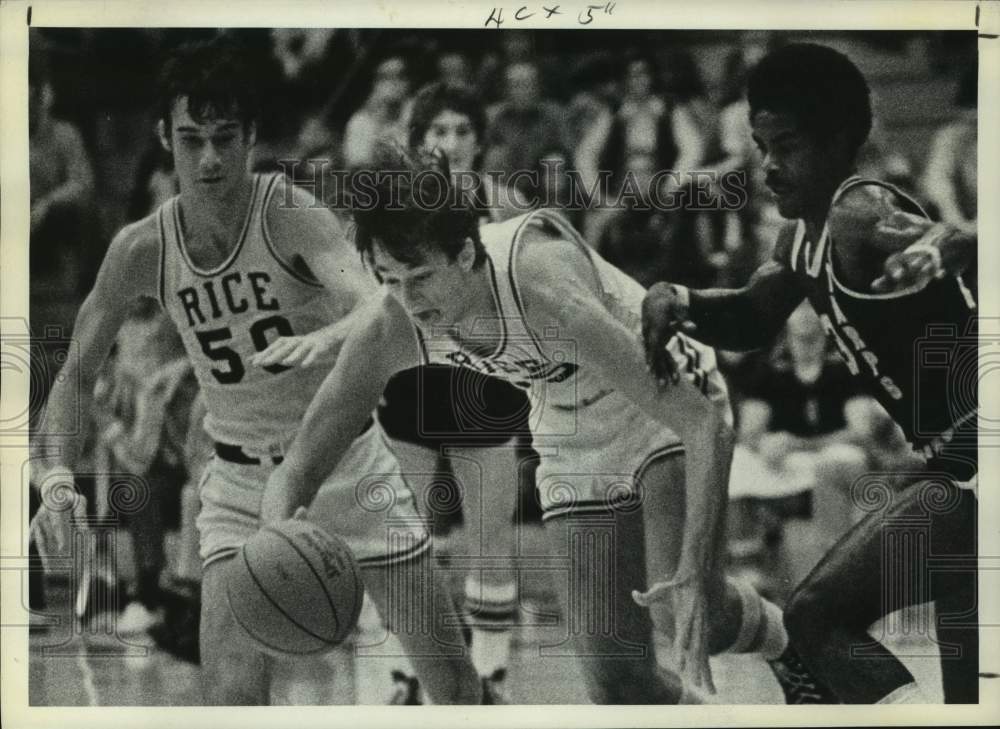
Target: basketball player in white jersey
(895, 293)
(527, 300)
(237, 260)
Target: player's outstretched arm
(129, 270)
(303, 229)
(735, 319)
(381, 344)
(868, 222)
(561, 291)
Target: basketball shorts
(365, 502)
(439, 405)
(594, 457)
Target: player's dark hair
(437, 97)
(409, 204)
(818, 86)
(215, 77)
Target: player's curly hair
(437, 97)
(216, 78)
(407, 202)
(820, 87)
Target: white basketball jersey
(547, 367)
(229, 313)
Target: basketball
(295, 589)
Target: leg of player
(412, 597)
(489, 479)
(419, 467)
(830, 613)
(234, 671)
(608, 633)
(741, 621)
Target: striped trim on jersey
(850, 183)
(632, 501)
(513, 281)
(287, 267)
(161, 287)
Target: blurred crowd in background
(564, 105)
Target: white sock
(491, 611)
(775, 640)
(908, 693)
(755, 613)
(663, 648)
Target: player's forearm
(314, 455)
(728, 319)
(63, 424)
(708, 457)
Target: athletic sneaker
(136, 618)
(406, 691)
(798, 683)
(493, 688)
(493, 692)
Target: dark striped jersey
(915, 349)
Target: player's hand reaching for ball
(689, 607)
(664, 313)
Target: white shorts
(599, 462)
(365, 502)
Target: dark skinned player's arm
(752, 316)
(873, 237)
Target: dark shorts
(437, 405)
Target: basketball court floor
(92, 666)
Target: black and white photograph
(550, 355)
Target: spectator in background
(523, 126)
(453, 69)
(150, 394)
(646, 124)
(645, 242)
(644, 128)
(805, 434)
(597, 94)
(950, 175)
(384, 113)
(590, 113)
(684, 91)
(452, 119)
(62, 186)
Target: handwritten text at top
(585, 15)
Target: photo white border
(639, 14)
